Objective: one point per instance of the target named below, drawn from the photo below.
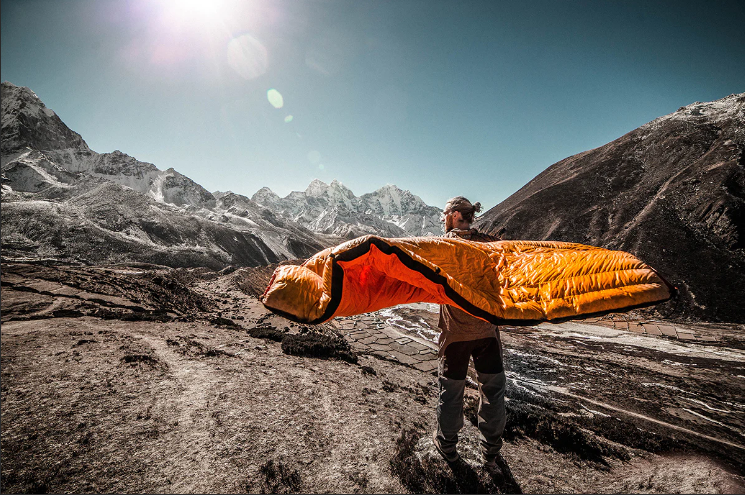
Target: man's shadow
(468, 480)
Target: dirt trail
(188, 402)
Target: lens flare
(288, 119)
(247, 56)
(275, 98)
(314, 157)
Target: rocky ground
(141, 378)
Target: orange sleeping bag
(500, 281)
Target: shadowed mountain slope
(672, 192)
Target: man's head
(459, 213)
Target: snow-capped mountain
(404, 209)
(334, 209)
(63, 200)
(28, 125)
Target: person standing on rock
(464, 336)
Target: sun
(201, 9)
(194, 12)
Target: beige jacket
(455, 324)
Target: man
(463, 336)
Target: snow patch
(156, 191)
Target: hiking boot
(500, 472)
(450, 457)
(493, 464)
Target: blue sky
(442, 98)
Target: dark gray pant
(487, 359)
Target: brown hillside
(672, 192)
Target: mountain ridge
(334, 209)
(49, 172)
(62, 200)
(671, 192)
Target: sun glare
(209, 9)
(248, 57)
(195, 12)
